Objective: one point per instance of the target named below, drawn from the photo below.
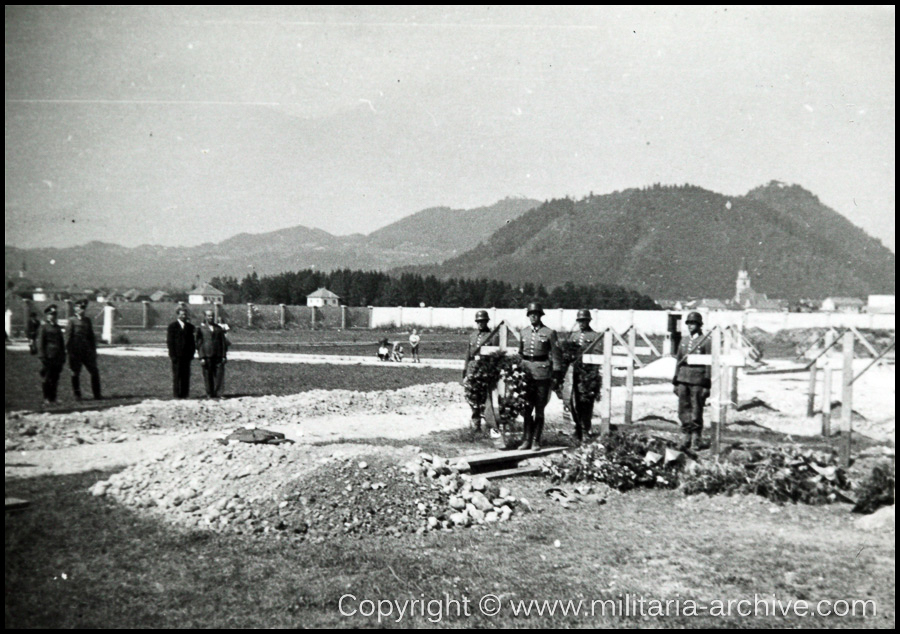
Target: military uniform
(542, 360)
(583, 411)
(478, 339)
(692, 383)
(51, 350)
(81, 344)
(212, 349)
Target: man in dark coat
(212, 349)
(542, 360)
(31, 331)
(180, 339)
(478, 339)
(51, 347)
(583, 409)
(81, 344)
(692, 382)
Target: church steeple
(743, 281)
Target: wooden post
(282, 316)
(145, 314)
(736, 344)
(629, 377)
(847, 400)
(9, 329)
(343, 317)
(371, 316)
(69, 309)
(249, 315)
(717, 394)
(399, 316)
(606, 388)
(811, 392)
(312, 317)
(827, 389)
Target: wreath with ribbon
(586, 378)
(485, 376)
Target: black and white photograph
(476, 316)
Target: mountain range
(662, 241)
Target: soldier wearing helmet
(542, 360)
(581, 410)
(478, 339)
(692, 382)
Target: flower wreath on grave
(587, 380)
(486, 374)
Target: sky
(183, 125)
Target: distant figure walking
(180, 339)
(51, 349)
(414, 346)
(212, 349)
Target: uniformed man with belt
(692, 382)
(51, 350)
(583, 410)
(542, 360)
(81, 344)
(478, 339)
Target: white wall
(647, 321)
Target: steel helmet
(535, 307)
(583, 315)
(482, 315)
(694, 317)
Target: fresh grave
(789, 473)
(287, 491)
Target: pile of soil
(30, 431)
(295, 492)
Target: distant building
(705, 304)
(322, 297)
(160, 296)
(842, 305)
(748, 299)
(134, 295)
(206, 294)
(881, 304)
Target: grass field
(127, 380)
(77, 561)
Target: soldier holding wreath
(478, 339)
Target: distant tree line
(373, 288)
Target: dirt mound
(301, 493)
(26, 430)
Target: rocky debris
(46, 430)
(302, 493)
(470, 499)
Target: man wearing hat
(542, 360)
(81, 344)
(51, 349)
(692, 382)
(584, 336)
(478, 339)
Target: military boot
(527, 432)
(699, 444)
(538, 431)
(685, 442)
(76, 387)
